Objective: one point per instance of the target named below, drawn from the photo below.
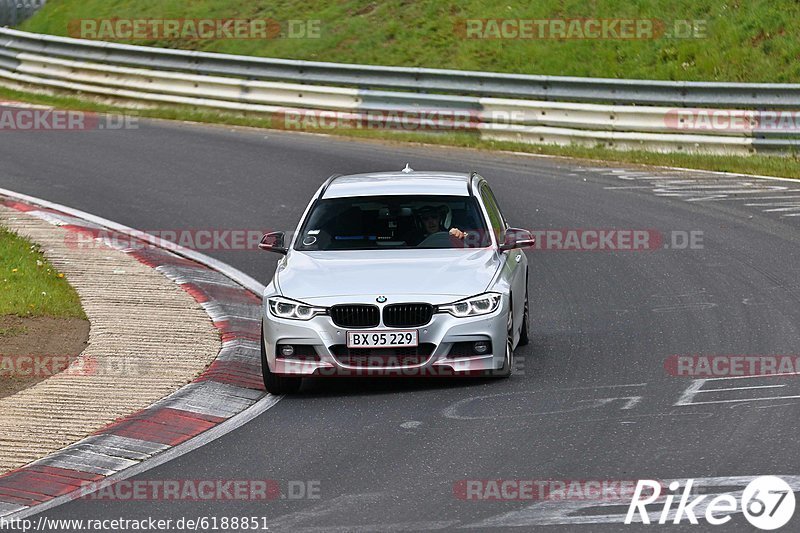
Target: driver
(432, 221)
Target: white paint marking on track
(699, 306)
(767, 198)
(591, 387)
(781, 374)
(740, 400)
(697, 387)
(782, 209)
(690, 392)
(728, 389)
(548, 405)
(714, 188)
(703, 198)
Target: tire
(275, 383)
(523, 334)
(508, 363)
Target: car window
(385, 222)
(493, 210)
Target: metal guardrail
(536, 109)
(548, 88)
(12, 12)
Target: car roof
(407, 182)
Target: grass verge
(30, 286)
(781, 166)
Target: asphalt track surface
(591, 399)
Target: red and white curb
(214, 403)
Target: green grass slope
(745, 40)
(30, 285)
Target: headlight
(285, 308)
(483, 304)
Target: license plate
(394, 338)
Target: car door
(514, 261)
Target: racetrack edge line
(192, 444)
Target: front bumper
(439, 336)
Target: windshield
(381, 222)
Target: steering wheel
(440, 239)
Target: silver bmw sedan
(396, 274)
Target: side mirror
(273, 242)
(517, 238)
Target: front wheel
(508, 361)
(524, 339)
(275, 383)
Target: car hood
(448, 273)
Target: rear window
(392, 222)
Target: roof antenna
(407, 170)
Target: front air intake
(409, 315)
(355, 316)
